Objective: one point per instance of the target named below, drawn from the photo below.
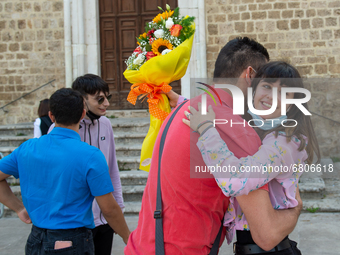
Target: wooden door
(121, 21)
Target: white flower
(169, 23)
(166, 51)
(159, 33)
(139, 60)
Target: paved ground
(316, 234)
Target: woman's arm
(37, 130)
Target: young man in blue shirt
(59, 178)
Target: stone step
(17, 129)
(7, 150)
(129, 138)
(132, 208)
(312, 188)
(13, 141)
(133, 177)
(127, 113)
(133, 193)
(128, 150)
(330, 202)
(127, 163)
(130, 125)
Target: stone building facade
(42, 40)
(31, 54)
(305, 33)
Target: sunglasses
(102, 99)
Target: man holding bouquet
(193, 208)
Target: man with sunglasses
(95, 129)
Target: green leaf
(148, 47)
(160, 8)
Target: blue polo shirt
(59, 177)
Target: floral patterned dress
(277, 163)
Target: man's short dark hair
(67, 106)
(237, 55)
(90, 84)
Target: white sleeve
(37, 131)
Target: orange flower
(175, 30)
(165, 15)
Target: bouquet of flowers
(162, 56)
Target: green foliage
(335, 159)
(20, 134)
(312, 209)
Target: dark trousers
(244, 237)
(102, 238)
(42, 241)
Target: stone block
(324, 12)
(270, 46)
(57, 6)
(331, 60)
(18, 7)
(29, 35)
(49, 35)
(305, 70)
(37, 7)
(233, 17)
(299, 13)
(276, 37)
(218, 18)
(262, 38)
(317, 23)
(305, 24)
(226, 29)
(287, 14)
(310, 13)
(250, 27)
(27, 7)
(45, 23)
(19, 36)
(212, 29)
(22, 24)
(3, 47)
(8, 7)
(318, 4)
(334, 68)
(274, 15)
(293, 5)
(320, 69)
(282, 25)
(267, 6)
(40, 46)
(319, 44)
(242, 8)
(252, 7)
(26, 46)
(294, 24)
(12, 24)
(46, 6)
(280, 6)
(40, 35)
(259, 15)
(245, 16)
(6, 36)
(61, 23)
(331, 22)
(314, 35)
(337, 34)
(22, 56)
(53, 23)
(240, 27)
(14, 47)
(2, 25)
(326, 34)
(270, 26)
(54, 46)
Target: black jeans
(42, 241)
(102, 238)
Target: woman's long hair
(290, 77)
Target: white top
(37, 130)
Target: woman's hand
(195, 118)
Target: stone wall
(304, 32)
(31, 54)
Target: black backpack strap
(159, 238)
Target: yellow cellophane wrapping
(157, 71)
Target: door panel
(121, 21)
